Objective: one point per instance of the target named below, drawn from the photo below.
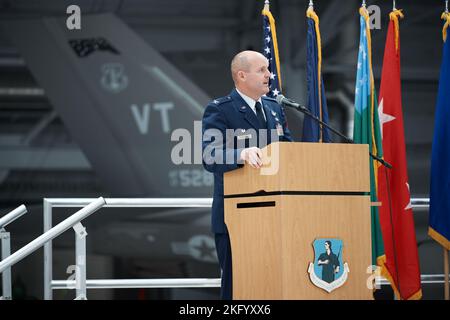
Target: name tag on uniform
(279, 129)
(244, 136)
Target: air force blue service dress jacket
(232, 112)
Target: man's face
(327, 246)
(257, 77)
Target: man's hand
(253, 156)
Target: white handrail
(424, 279)
(186, 283)
(420, 203)
(165, 202)
(134, 202)
(5, 239)
(50, 203)
(13, 215)
(52, 233)
(139, 283)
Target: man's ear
(241, 75)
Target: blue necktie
(260, 115)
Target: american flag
(270, 51)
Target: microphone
(283, 100)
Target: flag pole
(393, 6)
(267, 5)
(446, 271)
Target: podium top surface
(304, 167)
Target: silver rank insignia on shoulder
(276, 119)
(274, 113)
(216, 101)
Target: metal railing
(51, 234)
(12, 216)
(424, 279)
(81, 284)
(80, 246)
(139, 283)
(5, 238)
(420, 203)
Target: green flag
(367, 126)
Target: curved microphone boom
(289, 103)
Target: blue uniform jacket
(232, 112)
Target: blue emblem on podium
(328, 271)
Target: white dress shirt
(252, 103)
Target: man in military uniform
(329, 262)
(247, 111)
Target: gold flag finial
(394, 16)
(445, 16)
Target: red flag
(397, 223)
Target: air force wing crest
(113, 78)
(328, 272)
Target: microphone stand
(348, 140)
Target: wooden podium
(315, 191)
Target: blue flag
(317, 103)
(439, 222)
(270, 51)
